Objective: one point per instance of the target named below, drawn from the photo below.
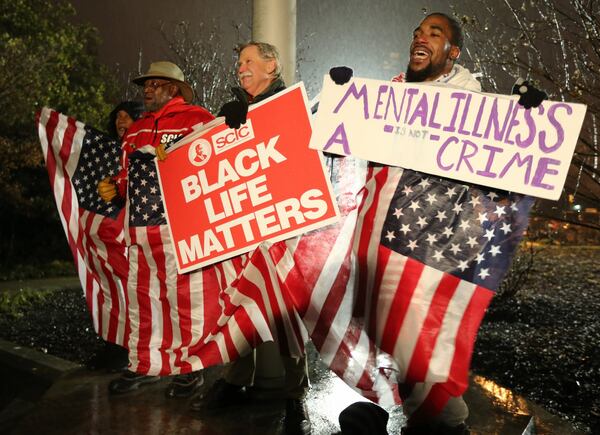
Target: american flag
(77, 158)
(171, 323)
(393, 296)
(185, 322)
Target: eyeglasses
(155, 84)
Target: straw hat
(170, 71)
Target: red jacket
(174, 120)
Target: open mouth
(420, 53)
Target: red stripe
(465, 340)
(331, 304)
(144, 307)
(411, 274)
(383, 257)
(156, 246)
(421, 357)
(64, 154)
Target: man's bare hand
(161, 154)
(107, 189)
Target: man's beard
(430, 71)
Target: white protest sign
(485, 139)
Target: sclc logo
(231, 137)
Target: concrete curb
(32, 362)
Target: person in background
(122, 116)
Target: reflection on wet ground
(79, 404)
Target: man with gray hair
(259, 74)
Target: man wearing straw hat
(168, 117)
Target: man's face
(431, 53)
(157, 93)
(254, 73)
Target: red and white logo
(231, 137)
(199, 152)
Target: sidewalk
(78, 402)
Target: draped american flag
(171, 323)
(394, 294)
(77, 158)
(184, 322)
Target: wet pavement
(78, 403)
(76, 400)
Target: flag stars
(414, 205)
(464, 225)
(463, 265)
(492, 195)
(455, 248)
(398, 213)
(475, 201)
(407, 190)
(431, 199)
(500, 210)
(145, 216)
(451, 192)
(472, 241)
(144, 199)
(482, 218)
(506, 228)
(479, 258)
(495, 250)
(448, 232)
(489, 234)
(412, 245)
(431, 238)
(421, 222)
(154, 207)
(153, 190)
(425, 183)
(438, 255)
(390, 236)
(405, 229)
(441, 215)
(457, 208)
(484, 273)
(514, 207)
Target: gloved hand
(530, 95)
(161, 153)
(340, 74)
(107, 189)
(235, 113)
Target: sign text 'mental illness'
(484, 139)
(226, 190)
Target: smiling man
(435, 47)
(259, 75)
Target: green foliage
(14, 303)
(45, 60)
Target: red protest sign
(227, 190)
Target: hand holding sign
(484, 139)
(226, 190)
(235, 113)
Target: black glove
(340, 74)
(530, 95)
(235, 113)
